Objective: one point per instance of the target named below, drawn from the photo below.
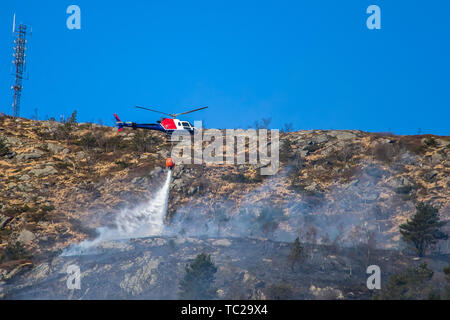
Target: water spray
(145, 220)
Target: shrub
(288, 127)
(64, 132)
(263, 124)
(404, 189)
(11, 211)
(197, 282)
(62, 165)
(385, 152)
(114, 143)
(122, 164)
(347, 152)
(412, 144)
(78, 226)
(4, 150)
(14, 252)
(98, 139)
(281, 291)
(48, 208)
(144, 141)
(269, 220)
(409, 284)
(446, 271)
(312, 147)
(406, 192)
(297, 253)
(88, 141)
(430, 142)
(286, 151)
(237, 178)
(73, 118)
(242, 178)
(41, 214)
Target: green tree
(297, 253)
(198, 280)
(424, 228)
(407, 285)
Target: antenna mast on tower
(19, 63)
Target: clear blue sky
(312, 63)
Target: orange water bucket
(170, 163)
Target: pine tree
(199, 278)
(296, 254)
(424, 228)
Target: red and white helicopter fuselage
(167, 125)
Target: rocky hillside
(247, 269)
(60, 182)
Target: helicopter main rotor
(173, 115)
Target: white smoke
(340, 213)
(145, 220)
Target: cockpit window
(186, 124)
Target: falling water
(145, 220)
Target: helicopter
(166, 125)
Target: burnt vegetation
(413, 283)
